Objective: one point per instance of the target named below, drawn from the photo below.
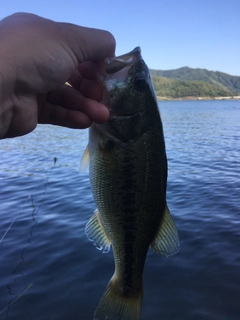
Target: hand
(37, 58)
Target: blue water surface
(48, 268)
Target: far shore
(200, 98)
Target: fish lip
(126, 116)
(116, 64)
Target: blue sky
(171, 33)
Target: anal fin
(95, 232)
(166, 241)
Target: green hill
(186, 81)
(173, 88)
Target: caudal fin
(115, 306)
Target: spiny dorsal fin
(84, 165)
(96, 233)
(166, 241)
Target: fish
(128, 177)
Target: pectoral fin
(96, 233)
(84, 165)
(166, 241)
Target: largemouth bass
(128, 175)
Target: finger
(58, 115)
(77, 77)
(89, 88)
(92, 70)
(72, 99)
(88, 69)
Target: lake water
(50, 271)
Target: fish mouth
(113, 65)
(114, 80)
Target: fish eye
(139, 82)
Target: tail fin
(115, 306)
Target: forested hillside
(185, 82)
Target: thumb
(88, 44)
(44, 45)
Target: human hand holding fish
(37, 57)
(128, 164)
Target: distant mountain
(195, 82)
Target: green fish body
(128, 175)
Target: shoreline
(200, 98)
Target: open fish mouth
(113, 65)
(118, 74)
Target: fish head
(128, 94)
(127, 84)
